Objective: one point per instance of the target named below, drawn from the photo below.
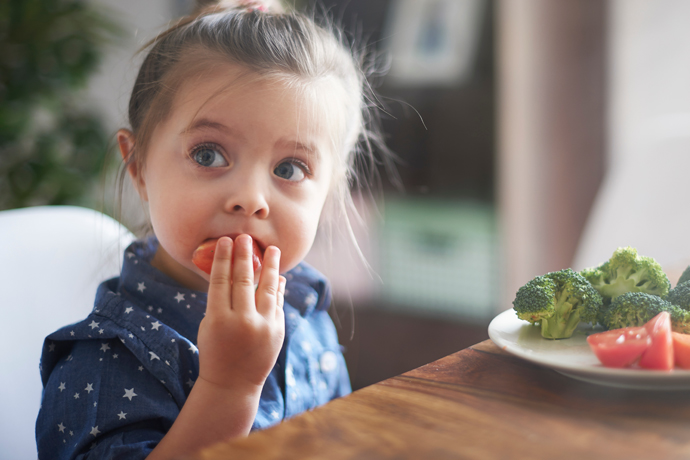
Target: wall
(643, 202)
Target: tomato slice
(659, 355)
(681, 349)
(203, 255)
(620, 347)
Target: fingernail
(245, 241)
(224, 242)
(274, 254)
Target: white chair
(52, 259)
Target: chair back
(52, 259)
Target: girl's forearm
(211, 414)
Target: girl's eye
(209, 157)
(290, 171)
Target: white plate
(572, 357)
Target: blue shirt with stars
(114, 383)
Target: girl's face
(248, 159)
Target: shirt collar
(158, 294)
(183, 309)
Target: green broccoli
(680, 320)
(680, 295)
(636, 308)
(626, 271)
(633, 309)
(558, 302)
(684, 277)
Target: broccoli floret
(636, 308)
(626, 271)
(633, 309)
(684, 277)
(558, 302)
(680, 295)
(680, 320)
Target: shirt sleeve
(343, 387)
(100, 402)
(332, 362)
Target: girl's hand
(242, 333)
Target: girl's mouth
(203, 255)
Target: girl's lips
(258, 247)
(203, 255)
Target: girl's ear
(125, 140)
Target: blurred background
(533, 135)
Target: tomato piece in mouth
(203, 255)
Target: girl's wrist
(230, 387)
(211, 414)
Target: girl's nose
(248, 199)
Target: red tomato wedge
(203, 255)
(659, 355)
(681, 349)
(620, 347)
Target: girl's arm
(239, 341)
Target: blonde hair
(270, 42)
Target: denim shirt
(114, 383)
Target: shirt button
(328, 361)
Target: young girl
(244, 120)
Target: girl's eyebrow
(206, 123)
(295, 145)
(202, 123)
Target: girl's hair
(270, 43)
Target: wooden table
(480, 403)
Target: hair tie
(253, 5)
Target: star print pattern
(143, 362)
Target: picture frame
(432, 42)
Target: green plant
(52, 146)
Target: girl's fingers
(281, 291)
(219, 300)
(281, 300)
(269, 282)
(243, 275)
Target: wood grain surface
(479, 403)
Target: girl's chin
(189, 277)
